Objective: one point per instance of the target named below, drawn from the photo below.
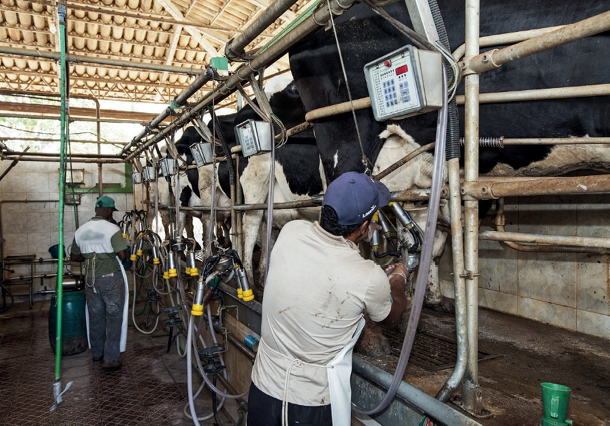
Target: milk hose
(190, 347)
(426, 257)
(133, 308)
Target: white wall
(565, 290)
(32, 227)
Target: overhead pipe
(54, 160)
(179, 101)
(56, 117)
(306, 27)
(234, 49)
(10, 166)
(53, 154)
(11, 138)
(498, 57)
(93, 60)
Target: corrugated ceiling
(177, 33)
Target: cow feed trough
(464, 238)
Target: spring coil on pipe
(488, 142)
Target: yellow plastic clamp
(197, 310)
(165, 275)
(133, 257)
(375, 217)
(194, 272)
(187, 270)
(173, 273)
(139, 252)
(156, 261)
(248, 295)
(240, 293)
(124, 236)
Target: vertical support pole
(99, 148)
(470, 385)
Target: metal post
(471, 393)
(99, 149)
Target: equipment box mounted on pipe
(405, 82)
(202, 153)
(255, 137)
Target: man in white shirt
(318, 289)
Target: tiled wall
(562, 289)
(30, 226)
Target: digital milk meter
(254, 137)
(405, 82)
(202, 153)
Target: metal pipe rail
(234, 48)
(498, 57)
(541, 94)
(93, 60)
(53, 154)
(10, 138)
(560, 240)
(270, 55)
(530, 186)
(54, 160)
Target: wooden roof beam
(177, 15)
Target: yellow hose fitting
(124, 236)
(248, 295)
(375, 217)
(187, 270)
(139, 252)
(156, 261)
(240, 293)
(133, 257)
(173, 273)
(197, 310)
(130, 238)
(194, 272)
(165, 275)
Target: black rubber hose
(452, 149)
(214, 407)
(225, 147)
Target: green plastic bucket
(555, 400)
(74, 325)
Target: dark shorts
(265, 410)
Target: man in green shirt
(100, 244)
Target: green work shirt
(99, 241)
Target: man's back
(315, 295)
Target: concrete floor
(150, 389)
(530, 353)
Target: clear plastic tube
(426, 257)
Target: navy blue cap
(355, 197)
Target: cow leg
(434, 299)
(255, 184)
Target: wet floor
(528, 353)
(150, 389)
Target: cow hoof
(445, 305)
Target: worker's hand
(397, 270)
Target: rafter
(177, 15)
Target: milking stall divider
(369, 382)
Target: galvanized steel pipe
(236, 47)
(496, 58)
(309, 25)
(542, 94)
(93, 60)
(545, 239)
(471, 393)
(531, 186)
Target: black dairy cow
(364, 36)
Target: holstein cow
(365, 36)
